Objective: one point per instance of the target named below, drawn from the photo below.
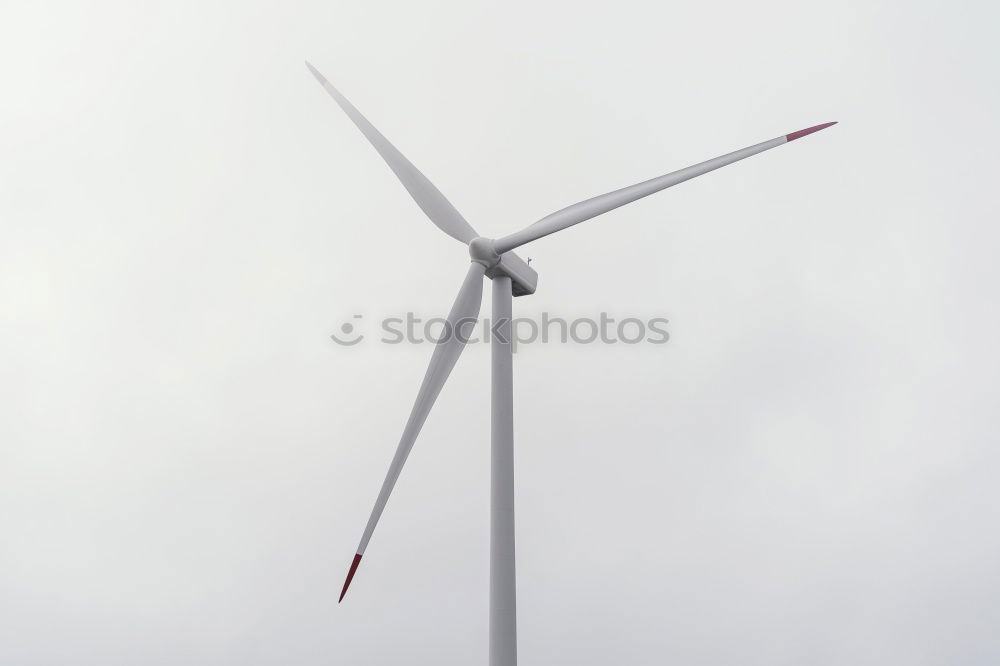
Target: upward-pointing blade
(462, 317)
(585, 210)
(428, 197)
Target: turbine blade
(585, 210)
(429, 198)
(463, 314)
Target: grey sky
(806, 472)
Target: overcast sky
(805, 473)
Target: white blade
(585, 210)
(463, 315)
(428, 197)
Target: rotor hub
(483, 252)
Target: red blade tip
(809, 130)
(350, 576)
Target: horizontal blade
(585, 210)
(428, 197)
(462, 317)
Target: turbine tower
(511, 276)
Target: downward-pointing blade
(461, 319)
(428, 197)
(585, 210)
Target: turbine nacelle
(524, 278)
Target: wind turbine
(511, 275)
